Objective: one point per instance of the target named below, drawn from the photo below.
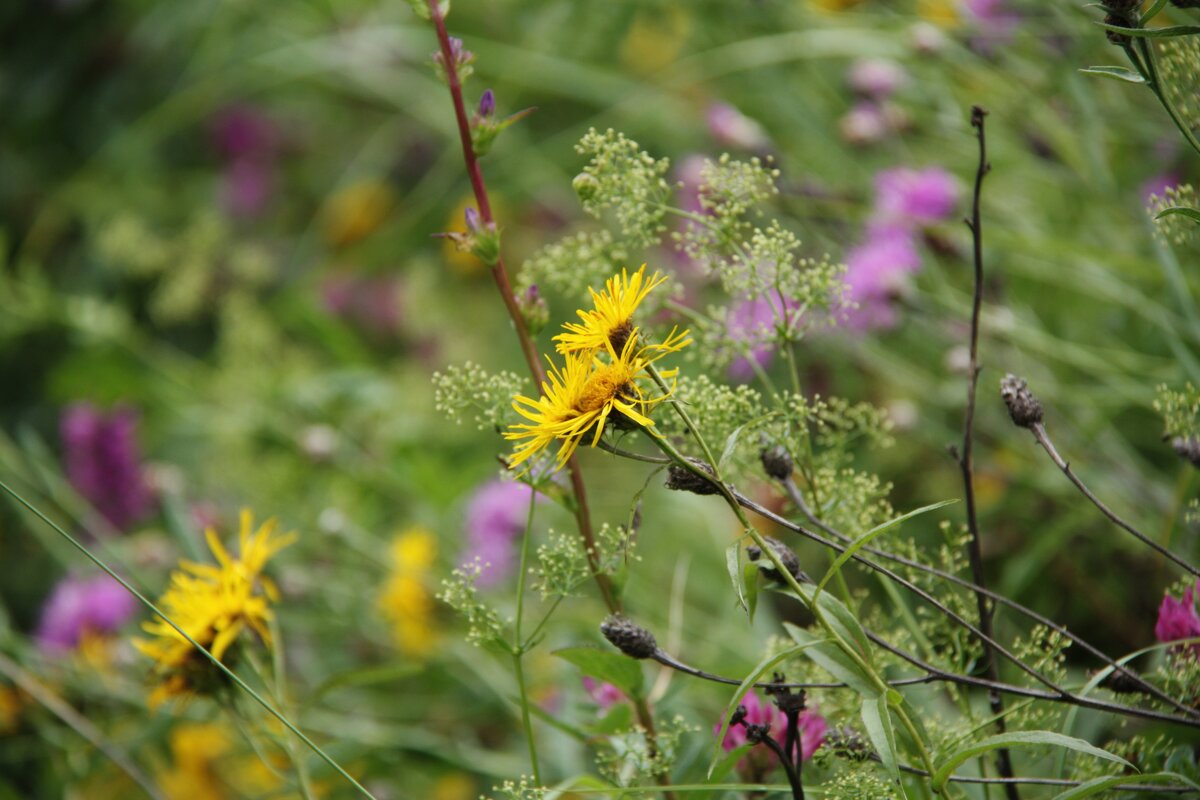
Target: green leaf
(732, 439)
(1117, 73)
(1179, 211)
(621, 671)
(745, 686)
(877, 719)
(1152, 12)
(750, 582)
(867, 537)
(1154, 33)
(1019, 739)
(1098, 785)
(829, 656)
(733, 566)
(837, 616)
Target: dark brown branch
(966, 455)
(797, 498)
(1056, 693)
(1039, 432)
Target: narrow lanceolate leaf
(839, 618)
(1095, 786)
(867, 537)
(736, 576)
(1020, 739)
(1117, 73)
(619, 670)
(1152, 12)
(877, 719)
(1154, 33)
(754, 677)
(1179, 211)
(831, 658)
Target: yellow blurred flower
(354, 212)
(834, 5)
(208, 762)
(655, 39)
(10, 709)
(213, 604)
(454, 786)
(943, 13)
(405, 601)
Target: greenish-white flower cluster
(470, 393)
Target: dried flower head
(1023, 407)
(630, 638)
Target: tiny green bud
(586, 186)
(534, 310)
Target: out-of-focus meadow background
(219, 289)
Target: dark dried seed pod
(684, 480)
(1023, 407)
(777, 462)
(1187, 448)
(631, 639)
(786, 556)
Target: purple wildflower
(496, 515)
(603, 694)
(1157, 185)
(915, 196)
(78, 606)
(753, 323)
(760, 712)
(994, 20)
(487, 103)
(875, 273)
(246, 186)
(877, 78)
(242, 131)
(1177, 619)
(732, 128)
(103, 462)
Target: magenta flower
(240, 131)
(371, 303)
(994, 21)
(77, 606)
(915, 196)
(877, 78)
(753, 323)
(761, 712)
(1157, 185)
(248, 141)
(603, 694)
(103, 462)
(246, 187)
(876, 272)
(731, 128)
(496, 515)
(1177, 619)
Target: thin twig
(1039, 432)
(966, 454)
(797, 498)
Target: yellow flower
(610, 321)
(213, 604)
(405, 601)
(943, 13)
(835, 5)
(356, 211)
(587, 393)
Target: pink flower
(496, 515)
(732, 128)
(604, 694)
(1177, 619)
(865, 123)
(760, 712)
(1157, 185)
(994, 21)
(915, 196)
(77, 606)
(753, 323)
(878, 78)
(876, 272)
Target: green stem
(216, 662)
(518, 647)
